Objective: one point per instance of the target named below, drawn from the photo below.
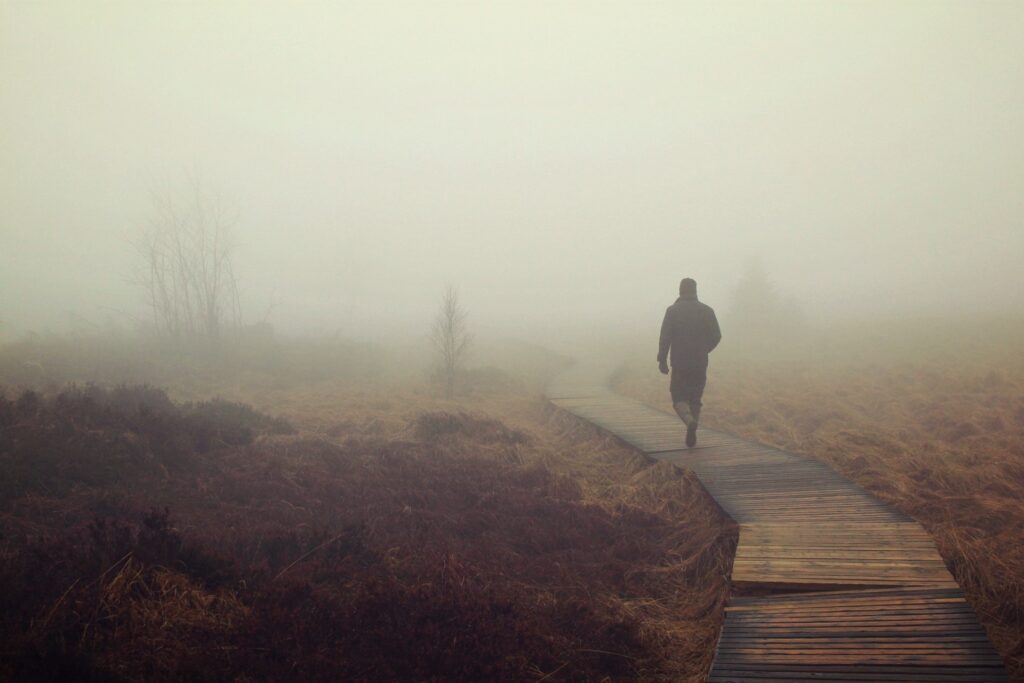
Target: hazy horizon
(563, 164)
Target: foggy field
(491, 537)
(283, 284)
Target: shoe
(691, 435)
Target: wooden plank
(899, 627)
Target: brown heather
(365, 534)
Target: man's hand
(663, 366)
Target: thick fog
(563, 164)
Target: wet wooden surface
(856, 591)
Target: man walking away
(690, 331)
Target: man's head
(688, 287)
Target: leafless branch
(186, 270)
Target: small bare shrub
(450, 337)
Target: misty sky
(559, 162)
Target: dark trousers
(687, 386)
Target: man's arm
(714, 332)
(664, 344)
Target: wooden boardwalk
(852, 589)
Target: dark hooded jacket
(690, 331)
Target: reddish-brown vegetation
(927, 418)
(394, 537)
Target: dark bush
(98, 437)
(220, 423)
(432, 426)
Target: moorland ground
(333, 517)
(329, 517)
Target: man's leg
(691, 433)
(695, 403)
(687, 391)
(685, 412)
(681, 396)
(695, 392)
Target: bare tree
(450, 337)
(187, 271)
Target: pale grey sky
(557, 161)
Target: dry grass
(928, 417)
(396, 536)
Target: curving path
(852, 590)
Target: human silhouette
(689, 333)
